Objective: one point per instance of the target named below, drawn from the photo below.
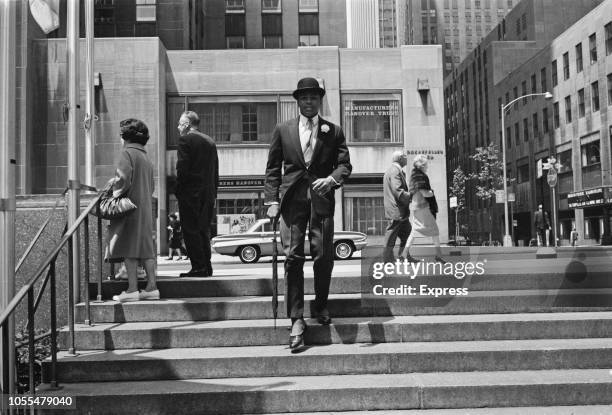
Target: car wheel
(343, 250)
(249, 254)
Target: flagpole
(90, 116)
(7, 187)
(72, 50)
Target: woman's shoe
(170, 258)
(440, 259)
(125, 297)
(410, 258)
(149, 295)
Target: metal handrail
(48, 259)
(48, 265)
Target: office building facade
(473, 98)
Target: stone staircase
(517, 344)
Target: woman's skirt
(423, 223)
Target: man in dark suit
(308, 159)
(396, 200)
(197, 171)
(542, 224)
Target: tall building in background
(476, 89)
(178, 23)
(458, 25)
(376, 23)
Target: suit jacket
(197, 167)
(541, 220)
(286, 168)
(395, 194)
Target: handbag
(111, 207)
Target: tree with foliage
(488, 177)
(457, 190)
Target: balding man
(396, 199)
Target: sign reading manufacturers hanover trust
(592, 197)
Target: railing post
(100, 258)
(53, 381)
(5, 360)
(86, 247)
(71, 348)
(31, 351)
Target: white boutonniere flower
(325, 128)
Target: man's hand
(273, 211)
(322, 186)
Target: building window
(272, 42)
(555, 81)
(146, 10)
(593, 48)
(581, 103)
(309, 6)
(556, 115)
(272, 30)
(579, 57)
(608, 38)
(566, 179)
(522, 173)
(568, 109)
(595, 96)
(535, 125)
(524, 91)
(309, 29)
(525, 129)
(543, 82)
(545, 120)
(566, 71)
(518, 27)
(234, 6)
(365, 214)
(515, 90)
(235, 42)
(372, 118)
(509, 137)
(610, 89)
(517, 132)
(233, 122)
(534, 87)
(591, 164)
(271, 6)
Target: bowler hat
(307, 85)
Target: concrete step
(531, 410)
(181, 334)
(255, 285)
(335, 359)
(352, 305)
(343, 392)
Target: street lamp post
(547, 95)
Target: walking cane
(274, 270)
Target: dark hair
(134, 131)
(194, 119)
(173, 215)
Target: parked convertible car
(257, 242)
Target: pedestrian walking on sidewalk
(397, 210)
(542, 225)
(574, 236)
(131, 237)
(423, 208)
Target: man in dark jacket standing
(396, 200)
(542, 224)
(308, 159)
(197, 171)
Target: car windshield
(260, 226)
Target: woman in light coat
(423, 209)
(131, 237)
